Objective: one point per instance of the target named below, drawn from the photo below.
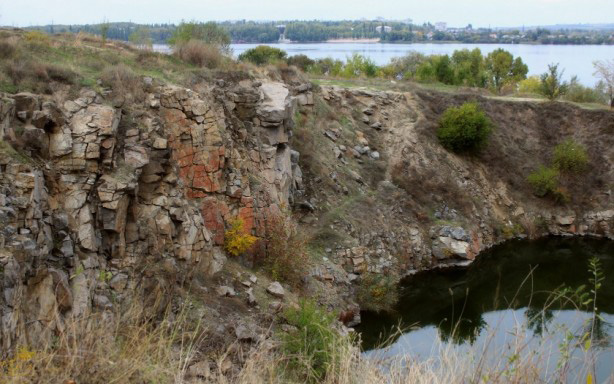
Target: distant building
(385, 29)
(441, 26)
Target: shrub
(199, 53)
(236, 239)
(286, 254)
(570, 156)
(303, 62)
(465, 128)
(405, 66)
(581, 94)
(7, 50)
(377, 292)
(37, 37)
(359, 65)
(61, 74)
(544, 181)
(313, 346)
(529, 85)
(263, 54)
(327, 67)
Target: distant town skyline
(479, 13)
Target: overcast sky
(481, 13)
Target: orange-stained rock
(247, 215)
(214, 212)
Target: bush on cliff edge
(465, 128)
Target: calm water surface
(575, 59)
(502, 294)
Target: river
(506, 297)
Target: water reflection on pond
(508, 295)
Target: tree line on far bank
(244, 31)
(208, 45)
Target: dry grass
(123, 347)
(517, 362)
(200, 54)
(124, 83)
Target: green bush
(303, 62)
(263, 54)
(544, 181)
(377, 292)
(529, 85)
(465, 128)
(358, 66)
(579, 93)
(570, 156)
(312, 347)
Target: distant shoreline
(439, 42)
(372, 41)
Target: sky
(480, 13)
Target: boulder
(276, 289)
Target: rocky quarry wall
(98, 202)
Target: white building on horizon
(385, 29)
(441, 26)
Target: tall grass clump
(465, 128)
(312, 349)
(124, 82)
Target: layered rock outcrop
(97, 202)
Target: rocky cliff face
(396, 201)
(97, 202)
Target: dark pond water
(498, 297)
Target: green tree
(551, 84)
(469, 67)
(504, 69)
(443, 69)
(209, 33)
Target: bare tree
(605, 71)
